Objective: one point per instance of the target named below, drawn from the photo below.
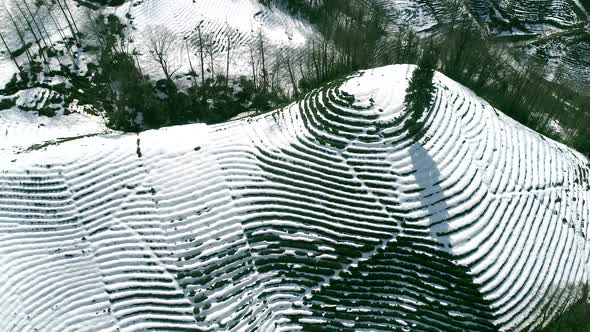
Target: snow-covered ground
(243, 20)
(246, 25)
(238, 22)
(540, 16)
(326, 213)
(559, 29)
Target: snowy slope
(326, 214)
(501, 16)
(21, 131)
(556, 31)
(240, 22)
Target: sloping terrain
(325, 215)
(500, 16)
(69, 30)
(22, 130)
(241, 23)
(537, 16)
(556, 32)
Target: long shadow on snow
(413, 283)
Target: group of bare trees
(166, 49)
(204, 54)
(29, 23)
(525, 92)
(214, 94)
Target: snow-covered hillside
(239, 23)
(204, 39)
(325, 215)
(243, 21)
(500, 16)
(556, 31)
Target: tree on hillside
(163, 46)
(207, 51)
(201, 52)
(263, 60)
(229, 49)
(419, 93)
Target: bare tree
(19, 32)
(193, 73)
(263, 60)
(69, 19)
(210, 50)
(61, 34)
(96, 27)
(163, 47)
(253, 64)
(206, 49)
(35, 35)
(38, 26)
(67, 8)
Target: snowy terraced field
(243, 21)
(325, 215)
(537, 16)
(416, 14)
(239, 22)
(571, 54)
(562, 13)
(556, 30)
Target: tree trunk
(190, 62)
(302, 73)
(210, 51)
(315, 62)
(67, 20)
(71, 16)
(264, 72)
(34, 34)
(138, 64)
(253, 59)
(292, 76)
(10, 53)
(201, 53)
(63, 36)
(21, 37)
(47, 45)
(227, 63)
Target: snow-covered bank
(21, 131)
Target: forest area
(354, 36)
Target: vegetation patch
(576, 318)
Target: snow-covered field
(537, 17)
(246, 26)
(557, 29)
(325, 214)
(239, 23)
